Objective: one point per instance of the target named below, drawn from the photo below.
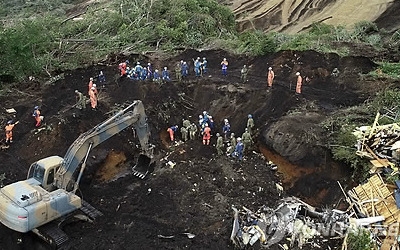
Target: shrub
(257, 43)
(359, 240)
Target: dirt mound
(195, 195)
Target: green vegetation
(385, 70)
(37, 37)
(360, 240)
(340, 126)
(54, 43)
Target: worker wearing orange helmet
(9, 131)
(298, 83)
(270, 77)
(206, 134)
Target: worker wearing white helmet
(299, 83)
(206, 134)
(93, 98)
(80, 100)
(220, 144)
(270, 77)
(224, 67)
(90, 85)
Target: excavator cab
(143, 166)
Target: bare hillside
(292, 16)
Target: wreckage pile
(294, 223)
(380, 144)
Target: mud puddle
(113, 167)
(315, 185)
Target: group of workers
(93, 93)
(36, 114)
(235, 147)
(139, 72)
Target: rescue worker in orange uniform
(270, 77)
(299, 83)
(95, 89)
(93, 98)
(171, 131)
(9, 131)
(90, 85)
(206, 135)
(37, 116)
(122, 67)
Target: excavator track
(52, 234)
(55, 236)
(89, 210)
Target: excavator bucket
(142, 167)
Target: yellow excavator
(48, 193)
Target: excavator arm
(133, 115)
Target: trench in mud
(295, 177)
(113, 167)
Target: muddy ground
(196, 195)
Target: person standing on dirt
(192, 131)
(178, 74)
(37, 115)
(197, 67)
(298, 83)
(243, 73)
(270, 77)
(80, 100)
(184, 70)
(122, 68)
(9, 131)
(224, 67)
(93, 98)
(90, 85)
(184, 133)
(220, 144)
(250, 124)
(186, 123)
(165, 75)
(149, 71)
(171, 131)
(247, 141)
(156, 76)
(226, 129)
(211, 122)
(204, 66)
(138, 71)
(101, 78)
(206, 134)
(238, 149)
(232, 145)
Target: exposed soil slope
(293, 16)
